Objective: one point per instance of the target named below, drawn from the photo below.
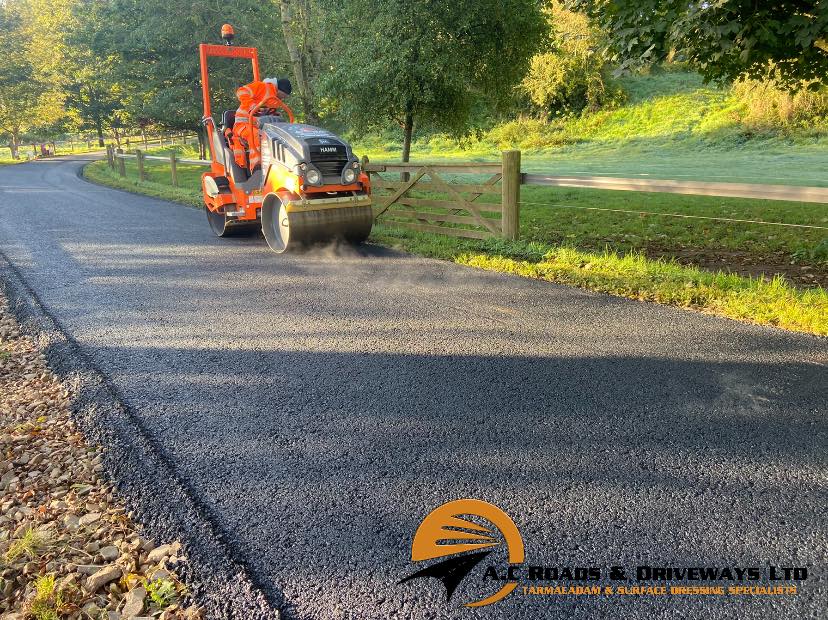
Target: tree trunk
(144, 136)
(99, 130)
(408, 131)
(300, 58)
(202, 142)
(117, 135)
(14, 147)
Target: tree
(28, 98)
(569, 75)
(724, 39)
(43, 22)
(300, 31)
(425, 62)
(94, 99)
(16, 86)
(152, 46)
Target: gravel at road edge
(67, 547)
(142, 474)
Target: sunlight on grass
(672, 126)
(632, 275)
(49, 602)
(30, 545)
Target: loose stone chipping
(67, 547)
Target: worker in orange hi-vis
(255, 99)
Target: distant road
(319, 405)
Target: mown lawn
(159, 180)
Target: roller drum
(223, 226)
(284, 229)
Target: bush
(767, 106)
(571, 76)
(528, 134)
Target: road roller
(304, 184)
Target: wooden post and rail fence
(433, 198)
(116, 157)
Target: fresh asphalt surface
(320, 405)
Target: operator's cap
(282, 85)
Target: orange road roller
(298, 183)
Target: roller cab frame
(310, 186)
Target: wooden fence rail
(115, 158)
(698, 188)
(422, 197)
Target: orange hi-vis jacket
(251, 96)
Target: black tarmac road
(305, 412)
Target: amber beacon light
(227, 33)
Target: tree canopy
(30, 97)
(362, 64)
(153, 45)
(426, 62)
(723, 39)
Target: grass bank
(626, 273)
(158, 183)
(671, 126)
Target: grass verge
(632, 275)
(626, 273)
(100, 172)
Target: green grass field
(159, 181)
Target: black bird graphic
(452, 571)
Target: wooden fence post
(121, 165)
(173, 169)
(109, 158)
(510, 195)
(139, 158)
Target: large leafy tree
(95, 99)
(152, 50)
(16, 74)
(300, 28)
(426, 62)
(31, 95)
(724, 39)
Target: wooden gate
(442, 198)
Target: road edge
(142, 473)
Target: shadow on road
(320, 465)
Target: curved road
(318, 406)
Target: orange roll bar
(206, 50)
